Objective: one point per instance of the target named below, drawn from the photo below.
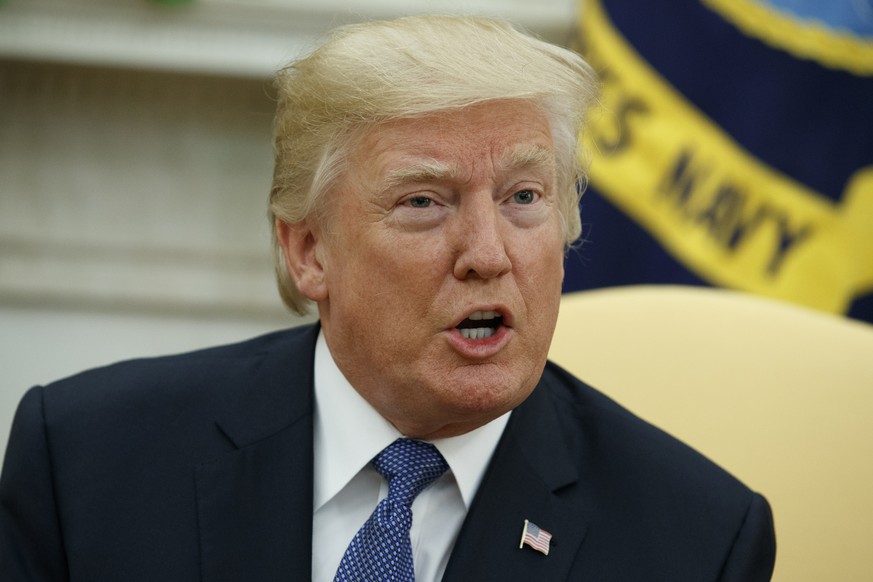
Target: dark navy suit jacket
(199, 467)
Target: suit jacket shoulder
(623, 500)
(199, 466)
(160, 468)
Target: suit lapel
(531, 476)
(255, 503)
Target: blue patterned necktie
(382, 550)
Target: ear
(301, 250)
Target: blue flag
(733, 148)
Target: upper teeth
(477, 315)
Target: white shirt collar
(349, 433)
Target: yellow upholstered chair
(779, 395)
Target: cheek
(386, 282)
(540, 261)
(540, 275)
(415, 263)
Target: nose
(480, 240)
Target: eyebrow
(425, 171)
(518, 158)
(529, 156)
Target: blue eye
(420, 202)
(524, 197)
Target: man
(425, 190)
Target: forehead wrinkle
(424, 171)
(518, 157)
(526, 156)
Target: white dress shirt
(346, 488)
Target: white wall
(40, 345)
(135, 163)
(132, 217)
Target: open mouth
(480, 325)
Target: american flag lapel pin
(535, 537)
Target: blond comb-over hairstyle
(411, 67)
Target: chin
(487, 399)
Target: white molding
(141, 191)
(136, 278)
(228, 37)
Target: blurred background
(733, 148)
(135, 164)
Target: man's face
(440, 278)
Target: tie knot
(409, 466)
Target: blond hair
(410, 67)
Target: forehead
(493, 137)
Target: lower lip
(480, 349)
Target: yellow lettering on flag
(725, 214)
